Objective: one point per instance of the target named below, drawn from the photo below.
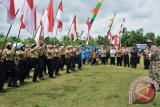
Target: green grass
(96, 86)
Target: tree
(151, 36)
(158, 41)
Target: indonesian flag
(73, 33)
(109, 37)
(27, 18)
(116, 40)
(59, 16)
(38, 35)
(9, 4)
(87, 30)
(48, 20)
(41, 18)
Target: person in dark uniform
(104, 52)
(57, 60)
(73, 58)
(146, 54)
(10, 53)
(67, 59)
(134, 53)
(2, 73)
(22, 64)
(126, 57)
(34, 51)
(78, 57)
(119, 56)
(50, 62)
(41, 60)
(62, 59)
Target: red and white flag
(116, 40)
(38, 35)
(48, 20)
(11, 15)
(73, 32)
(59, 17)
(27, 18)
(109, 36)
(87, 30)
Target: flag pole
(70, 27)
(7, 35)
(110, 27)
(17, 41)
(57, 28)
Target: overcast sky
(138, 13)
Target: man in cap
(146, 54)
(10, 53)
(22, 64)
(67, 59)
(34, 52)
(78, 57)
(57, 59)
(50, 61)
(73, 53)
(134, 53)
(62, 59)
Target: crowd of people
(17, 62)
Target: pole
(7, 35)
(17, 41)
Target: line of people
(16, 63)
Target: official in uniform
(126, 57)
(134, 53)
(62, 58)
(22, 64)
(34, 52)
(67, 59)
(78, 57)
(10, 53)
(104, 54)
(73, 53)
(146, 54)
(57, 59)
(2, 73)
(119, 56)
(50, 62)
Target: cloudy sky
(138, 14)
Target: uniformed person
(154, 57)
(104, 52)
(126, 57)
(78, 57)
(34, 52)
(57, 59)
(146, 54)
(119, 56)
(134, 53)
(2, 73)
(11, 66)
(73, 53)
(94, 56)
(22, 64)
(28, 59)
(67, 59)
(41, 60)
(62, 59)
(50, 62)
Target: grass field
(96, 86)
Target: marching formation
(16, 63)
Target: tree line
(128, 38)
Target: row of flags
(29, 17)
